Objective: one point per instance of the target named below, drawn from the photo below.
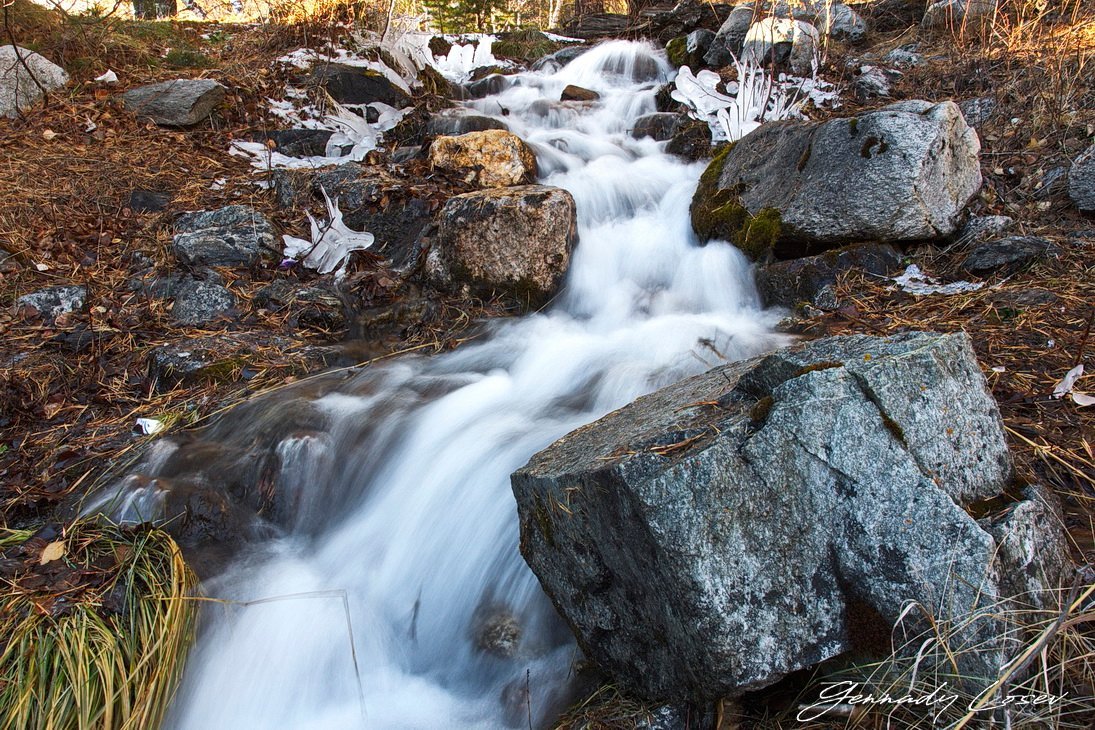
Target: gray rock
(902, 173)
(781, 40)
(728, 41)
(698, 42)
(659, 125)
(316, 305)
(838, 21)
(984, 227)
(1081, 181)
(874, 82)
(190, 361)
(237, 235)
(957, 14)
(355, 85)
(1054, 183)
(297, 142)
(178, 103)
(148, 201)
(1032, 550)
(497, 632)
(513, 241)
(906, 56)
(560, 58)
(812, 279)
(691, 141)
(1006, 254)
(978, 111)
(712, 537)
(53, 301)
(201, 302)
(456, 122)
(19, 88)
(484, 87)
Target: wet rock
(978, 111)
(497, 633)
(148, 201)
(488, 86)
(1033, 553)
(191, 361)
(53, 301)
(560, 58)
(513, 241)
(178, 103)
(201, 302)
(20, 89)
(689, 50)
(237, 235)
(730, 38)
(1081, 181)
(957, 14)
(659, 125)
(812, 279)
(780, 40)
(452, 122)
(577, 93)
(699, 551)
(297, 142)
(375, 323)
(355, 85)
(691, 141)
(902, 173)
(984, 227)
(494, 158)
(1006, 255)
(440, 46)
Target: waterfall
(402, 537)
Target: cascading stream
(402, 497)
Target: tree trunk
(152, 9)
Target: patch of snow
(109, 77)
(915, 281)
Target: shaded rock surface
(781, 40)
(53, 301)
(454, 122)
(659, 125)
(297, 142)
(494, 158)
(982, 227)
(236, 235)
(691, 140)
(711, 537)
(354, 85)
(730, 38)
(902, 173)
(512, 241)
(1006, 254)
(178, 103)
(812, 279)
(19, 88)
(1081, 181)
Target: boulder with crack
(716, 535)
(902, 173)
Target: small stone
(1006, 254)
(496, 157)
(984, 227)
(499, 635)
(906, 56)
(577, 93)
(1053, 184)
(178, 103)
(661, 126)
(297, 142)
(148, 201)
(200, 302)
(978, 111)
(1032, 297)
(53, 301)
(873, 82)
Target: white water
(405, 502)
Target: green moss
(853, 125)
(187, 58)
(676, 51)
(525, 45)
(758, 236)
(718, 213)
(823, 365)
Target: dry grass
(95, 628)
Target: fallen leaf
(54, 551)
(48, 135)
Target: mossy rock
(676, 51)
(717, 213)
(524, 45)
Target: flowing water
(403, 528)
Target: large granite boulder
(722, 532)
(236, 235)
(23, 76)
(902, 173)
(178, 103)
(514, 242)
(1081, 181)
(728, 41)
(494, 157)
